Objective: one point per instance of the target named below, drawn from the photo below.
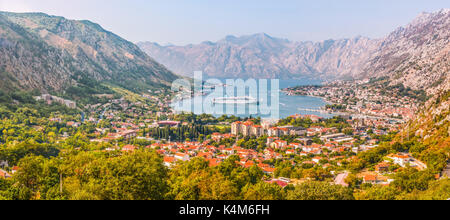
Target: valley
(88, 115)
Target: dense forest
(142, 176)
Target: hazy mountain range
(38, 51)
(416, 55)
(263, 56)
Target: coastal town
(365, 100)
(319, 143)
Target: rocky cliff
(417, 55)
(38, 51)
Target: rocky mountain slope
(431, 128)
(416, 55)
(49, 53)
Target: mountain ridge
(417, 55)
(51, 53)
(263, 56)
(255, 56)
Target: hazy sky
(193, 21)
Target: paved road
(446, 171)
(340, 179)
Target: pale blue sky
(192, 21)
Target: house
(373, 142)
(372, 179)
(303, 154)
(109, 149)
(282, 182)
(273, 132)
(313, 118)
(345, 139)
(309, 162)
(297, 131)
(382, 167)
(128, 134)
(129, 148)
(4, 174)
(246, 128)
(214, 162)
(295, 146)
(73, 124)
(400, 159)
(307, 149)
(279, 144)
(270, 140)
(267, 123)
(216, 137)
(316, 151)
(205, 155)
(249, 164)
(268, 170)
(14, 170)
(221, 157)
(182, 156)
(317, 159)
(290, 152)
(236, 128)
(228, 151)
(284, 131)
(169, 161)
(331, 137)
(257, 131)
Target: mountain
(431, 129)
(50, 53)
(263, 56)
(416, 55)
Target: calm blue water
(288, 105)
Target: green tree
(320, 191)
(135, 176)
(262, 191)
(378, 193)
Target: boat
(235, 100)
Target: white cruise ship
(235, 100)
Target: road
(340, 179)
(446, 171)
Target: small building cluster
(248, 128)
(49, 99)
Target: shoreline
(285, 110)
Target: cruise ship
(235, 100)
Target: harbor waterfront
(288, 105)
